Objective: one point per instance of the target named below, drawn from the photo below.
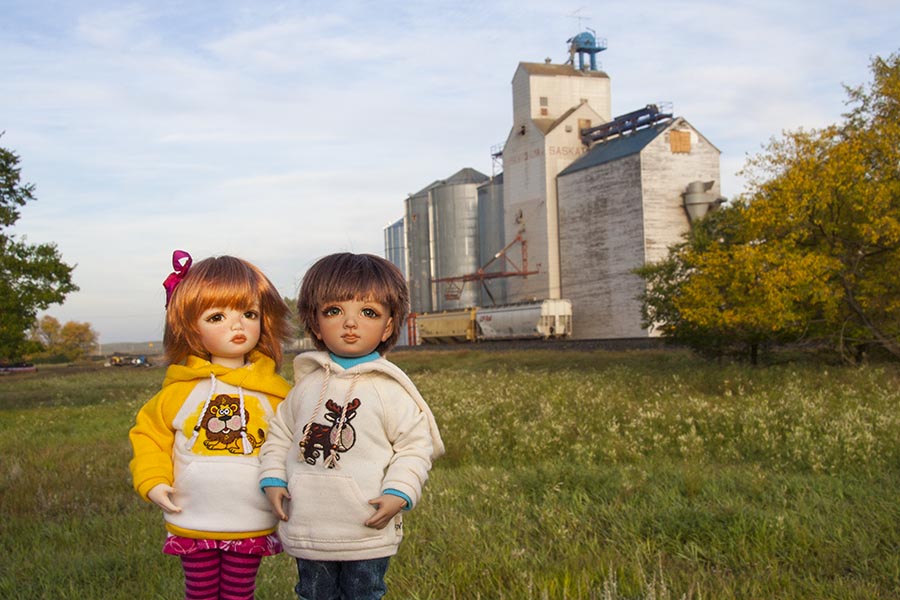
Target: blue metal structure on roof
(585, 42)
(632, 121)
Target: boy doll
(352, 444)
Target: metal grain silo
(395, 244)
(395, 251)
(491, 240)
(418, 247)
(455, 244)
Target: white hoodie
(388, 441)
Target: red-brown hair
(345, 276)
(226, 282)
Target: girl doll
(196, 442)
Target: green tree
(812, 251)
(32, 277)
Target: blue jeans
(342, 580)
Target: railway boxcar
(545, 319)
(446, 327)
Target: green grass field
(650, 475)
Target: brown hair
(346, 276)
(227, 282)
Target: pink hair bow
(181, 262)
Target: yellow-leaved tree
(812, 251)
(726, 290)
(55, 341)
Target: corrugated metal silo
(455, 244)
(418, 247)
(395, 245)
(491, 239)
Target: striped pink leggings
(219, 575)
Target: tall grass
(567, 475)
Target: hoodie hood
(257, 374)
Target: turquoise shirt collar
(351, 361)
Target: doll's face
(353, 328)
(229, 334)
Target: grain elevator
(581, 200)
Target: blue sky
(283, 131)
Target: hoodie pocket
(328, 509)
(221, 496)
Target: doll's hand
(388, 507)
(160, 496)
(277, 497)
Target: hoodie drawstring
(331, 461)
(248, 447)
(212, 390)
(319, 403)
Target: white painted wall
(537, 149)
(664, 177)
(601, 238)
(615, 217)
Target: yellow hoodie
(201, 434)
